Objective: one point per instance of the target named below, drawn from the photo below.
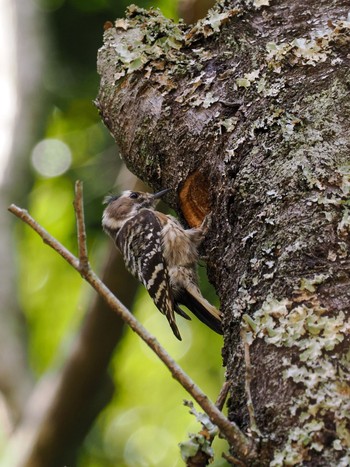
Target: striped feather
(140, 242)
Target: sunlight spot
(148, 446)
(120, 428)
(36, 282)
(159, 327)
(51, 157)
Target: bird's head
(121, 208)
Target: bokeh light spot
(141, 450)
(51, 157)
(159, 326)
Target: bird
(161, 254)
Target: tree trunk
(246, 115)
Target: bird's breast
(178, 249)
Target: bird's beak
(161, 193)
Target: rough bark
(246, 115)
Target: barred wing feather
(140, 242)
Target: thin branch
(81, 231)
(221, 399)
(233, 460)
(243, 446)
(248, 379)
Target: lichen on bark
(246, 115)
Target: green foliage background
(146, 419)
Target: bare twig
(81, 232)
(248, 379)
(233, 460)
(220, 401)
(229, 430)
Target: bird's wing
(200, 307)
(187, 293)
(140, 242)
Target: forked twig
(243, 445)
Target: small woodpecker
(161, 254)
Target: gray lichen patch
(144, 36)
(301, 323)
(320, 46)
(146, 40)
(308, 51)
(211, 24)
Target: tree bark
(246, 115)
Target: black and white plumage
(161, 254)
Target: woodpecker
(161, 254)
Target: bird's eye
(133, 195)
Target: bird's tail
(201, 308)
